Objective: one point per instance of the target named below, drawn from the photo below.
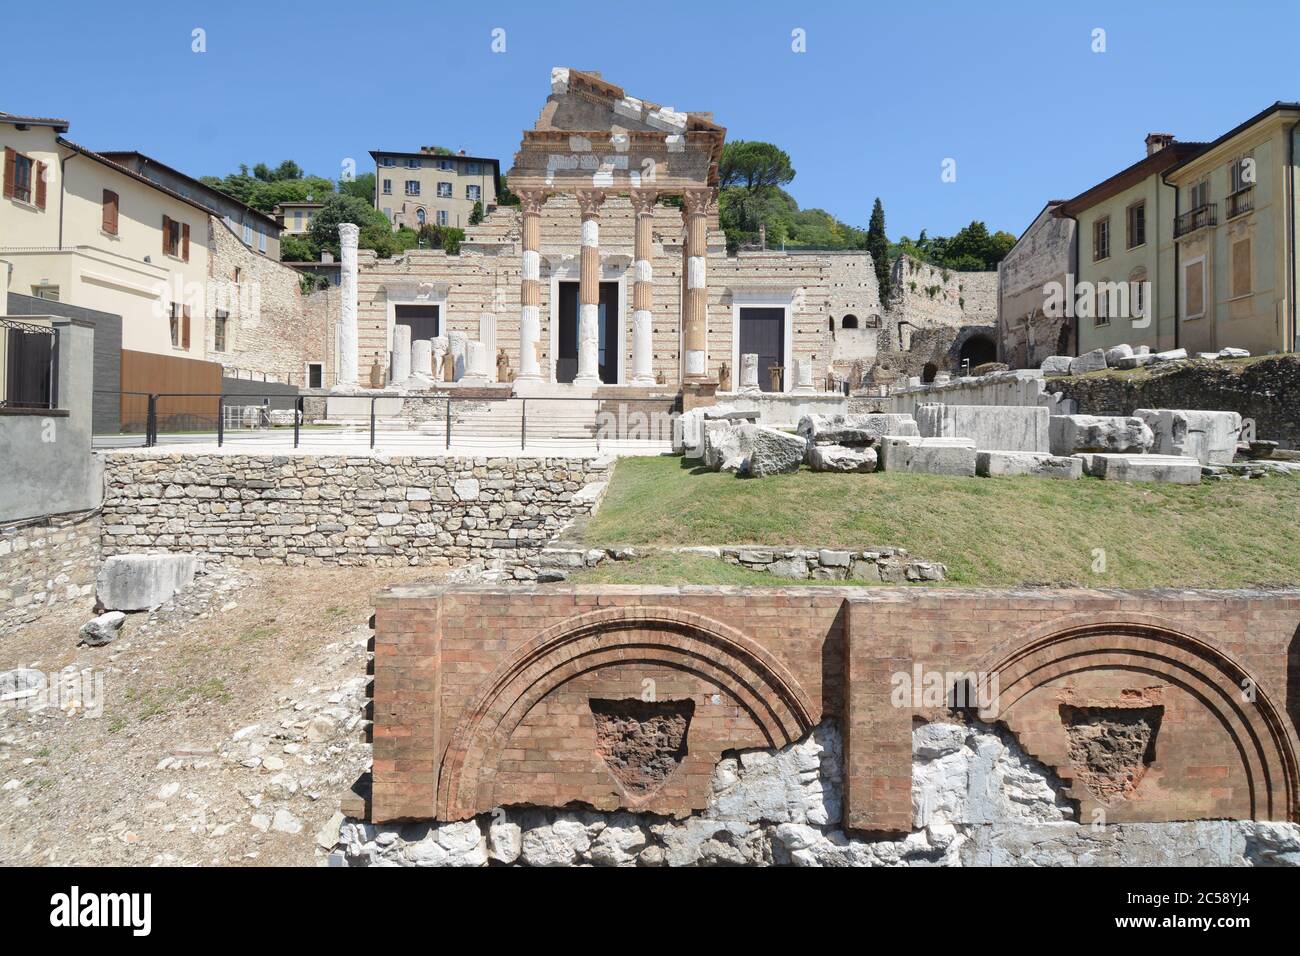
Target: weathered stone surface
(1070, 434)
(1171, 355)
(1001, 464)
(1056, 365)
(137, 582)
(840, 458)
(1135, 361)
(1210, 437)
(725, 441)
(1118, 352)
(103, 629)
(1162, 468)
(1093, 361)
(1000, 427)
(773, 452)
(926, 457)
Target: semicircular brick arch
(761, 685)
(1082, 648)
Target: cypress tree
(878, 246)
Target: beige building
(295, 217)
(414, 189)
(1235, 251)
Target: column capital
(590, 201)
(531, 200)
(697, 202)
(643, 201)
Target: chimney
(461, 153)
(1158, 141)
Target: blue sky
(883, 95)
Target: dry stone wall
(375, 511)
(45, 563)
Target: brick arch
(1147, 646)
(759, 683)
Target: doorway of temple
(566, 352)
(762, 333)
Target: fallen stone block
(1234, 353)
(1161, 468)
(1093, 361)
(1172, 355)
(773, 452)
(842, 459)
(1210, 437)
(1003, 464)
(137, 582)
(1136, 360)
(1056, 365)
(1113, 355)
(1119, 434)
(929, 456)
(101, 630)
(1002, 427)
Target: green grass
(993, 532)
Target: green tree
(754, 165)
(324, 232)
(476, 214)
(878, 245)
(297, 248)
(363, 187)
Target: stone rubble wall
(977, 799)
(46, 563)
(343, 510)
(928, 295)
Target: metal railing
(1240, 202)
(29, 365)
(1198, 218)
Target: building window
(19, 171)
(1194, 289)
(297, 220)
(49, 292)
(261, 242)
(412, 163)
(445, 164)
(248, 234)
(1102, 314)
(1137, 224)
(388, 211)
(412, 187)
(444, 190)
(1101, 239)
(219, 331)
(176, 239)
(315, 375)
(386, 161)
(1198, 195)
(473, 193)
(1241, 279)
(180, 326)
(442, 217)
(419, 216)
(1241, 173)
(109, 224)
(472, 169)
(388, 187)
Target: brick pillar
(589, 290)
(695, 212)
(530, 291)
(643, 202)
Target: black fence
(29, 364)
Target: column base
(699, 395)
(643, 381)
(588, 381)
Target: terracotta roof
(1157, 162)
(61, 125)
(116, 155)
(101, 158)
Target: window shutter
(185, 328)
(185, 241)
(110, 212)
(11, 172)
(167, 231)
(40, 184)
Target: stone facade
(1043, 254)
(269, 331)
(46, 563)
(308, 510)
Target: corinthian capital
(590, 201)
(698, 202)
(643, 200)
(531, 200)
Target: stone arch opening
(849, 322)
(978, 350)
(704, 652)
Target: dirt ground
(219, 729)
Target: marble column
(400, 370)
(643, 204)
(422, 358)
(695, 321)
(348, 347)
(530, 290)
(589, 290)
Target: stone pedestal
(749, 373)
(400, 369)
(803, 377)
(422, 359)
(457, 344)
(476, 364)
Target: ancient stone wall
(1042, 255)
(47, 562)
(268, 332)
(1266, 391)
(380, 511)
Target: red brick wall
(482, 695)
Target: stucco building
(433, 187)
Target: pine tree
(878, 246)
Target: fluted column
(530, 289)
(695, 213)
(643, 203)
(348, 346)
(589, 290)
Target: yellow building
(1235, 237)
(428, 187)
(295, 217)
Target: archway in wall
(929, 372)
(978, 350)
(849, 322)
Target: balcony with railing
(28, 365)
(1198, 218)
(1241, 202)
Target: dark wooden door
(762, 333)
(566, 355)
(423, 320)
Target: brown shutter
(110, 212)
(185, 241)
(40, 184)
(167, 232)
(11, 172)
(185, 328)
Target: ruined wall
(45, 563)
(312, 510)
(1042, 255)
(1266, 391)
(1128, 701)
(268, 331)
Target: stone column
(348, 354)
(422, 358)
(803, 376)
(530, 290)
(400, 369)
(589, 290)
(643, 203)
(695, 320)
(749, 373)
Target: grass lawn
(992, 532)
